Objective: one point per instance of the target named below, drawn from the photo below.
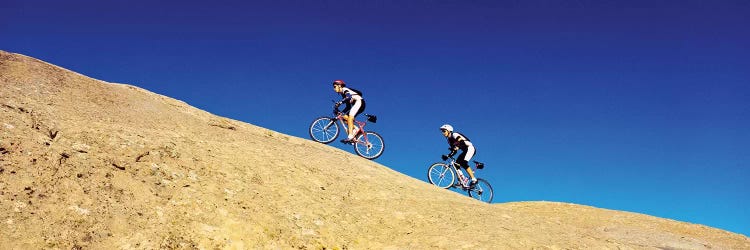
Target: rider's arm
(461, 141)
(346, 99)
(346, 96)
(453, 151)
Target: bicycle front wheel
(441, 175)
(482, 191)
(324, 130)
(369, 145)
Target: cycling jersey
(453, 140)
(356, 104)
(348, 92)
(467, 149)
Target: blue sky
(641, 106)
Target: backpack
(454, 142)
(356, 91)
(462, 135)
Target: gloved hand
(445, 157)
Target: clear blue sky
(641, 106)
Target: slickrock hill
(87, 164)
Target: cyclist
(355, 105)
(459, 141)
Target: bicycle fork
(329, 125)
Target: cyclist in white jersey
(458, 141)
(355, 105)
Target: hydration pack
(356, 91)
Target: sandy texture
(86, 164)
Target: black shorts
(358, 105)
(465, 156)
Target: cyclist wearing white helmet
(355, 105)
(459, 141)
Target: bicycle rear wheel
(441, 175)
(324, 130)
(370, 148)
(482, 191)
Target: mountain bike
(367, 144)
(443, 175)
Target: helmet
(339, 82)
(447, 127)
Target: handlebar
(336, 105)
(446, 157)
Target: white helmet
(447, 127)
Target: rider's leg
(471, 173)
(356, 108)
(350, 126)
(464, 161)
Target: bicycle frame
(448, 174)
(358, 124)
(367, 144)
(462, 179)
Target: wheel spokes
(324, 130)
(441, 175)
(369, 145)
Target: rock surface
(87, 164)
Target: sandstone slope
(87, 164)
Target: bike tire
(324, 130)
(441, 175)
(482, 191)
(371, 148)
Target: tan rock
(96, 165)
